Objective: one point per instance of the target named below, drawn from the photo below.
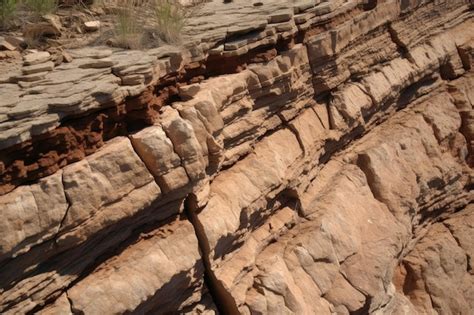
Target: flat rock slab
(41, 67)
(36, 58)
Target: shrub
(7, 12)
(128, 29)
(139, 23)
(170, 18)
(41, 7)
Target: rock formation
(294, 157)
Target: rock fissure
(296, 133)
(224, 301)
(69, 203)
(403, 50)
(366, 305)
(71, 304)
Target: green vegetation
(7, 12)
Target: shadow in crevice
(222, 298)
(412, 92)
(369, 5)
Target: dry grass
(141, 22)
(133, 24)
(170, 19)
(128, 29)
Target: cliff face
(312, 158)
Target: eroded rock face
(437, 274)
(326, 170)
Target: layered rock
(326, 169)
(437, 274)
(356, 219)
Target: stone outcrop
(305, 158)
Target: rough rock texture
(305, 158)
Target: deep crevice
(69, 205)
(71, 308)
(368, 299)
(369, 5)
(363, 163)
(401, 47)
(222, 298)
(295, 132)
(365, 308)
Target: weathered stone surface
(358, 218)
(306, 157)
(42, 67)
(258, 174)
(160, 283)
(101, 189)
(156, 150)
(185, 143)
(36, 58)
(437, 275)
(31, 215)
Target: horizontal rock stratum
(296, 157)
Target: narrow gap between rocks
(223, 300)
(71, 308)
(363, 163)
(69, 205)
(295, 132)
(368, 299)
(401, 47)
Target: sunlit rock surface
(293, 157)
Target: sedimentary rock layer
(327, 170)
